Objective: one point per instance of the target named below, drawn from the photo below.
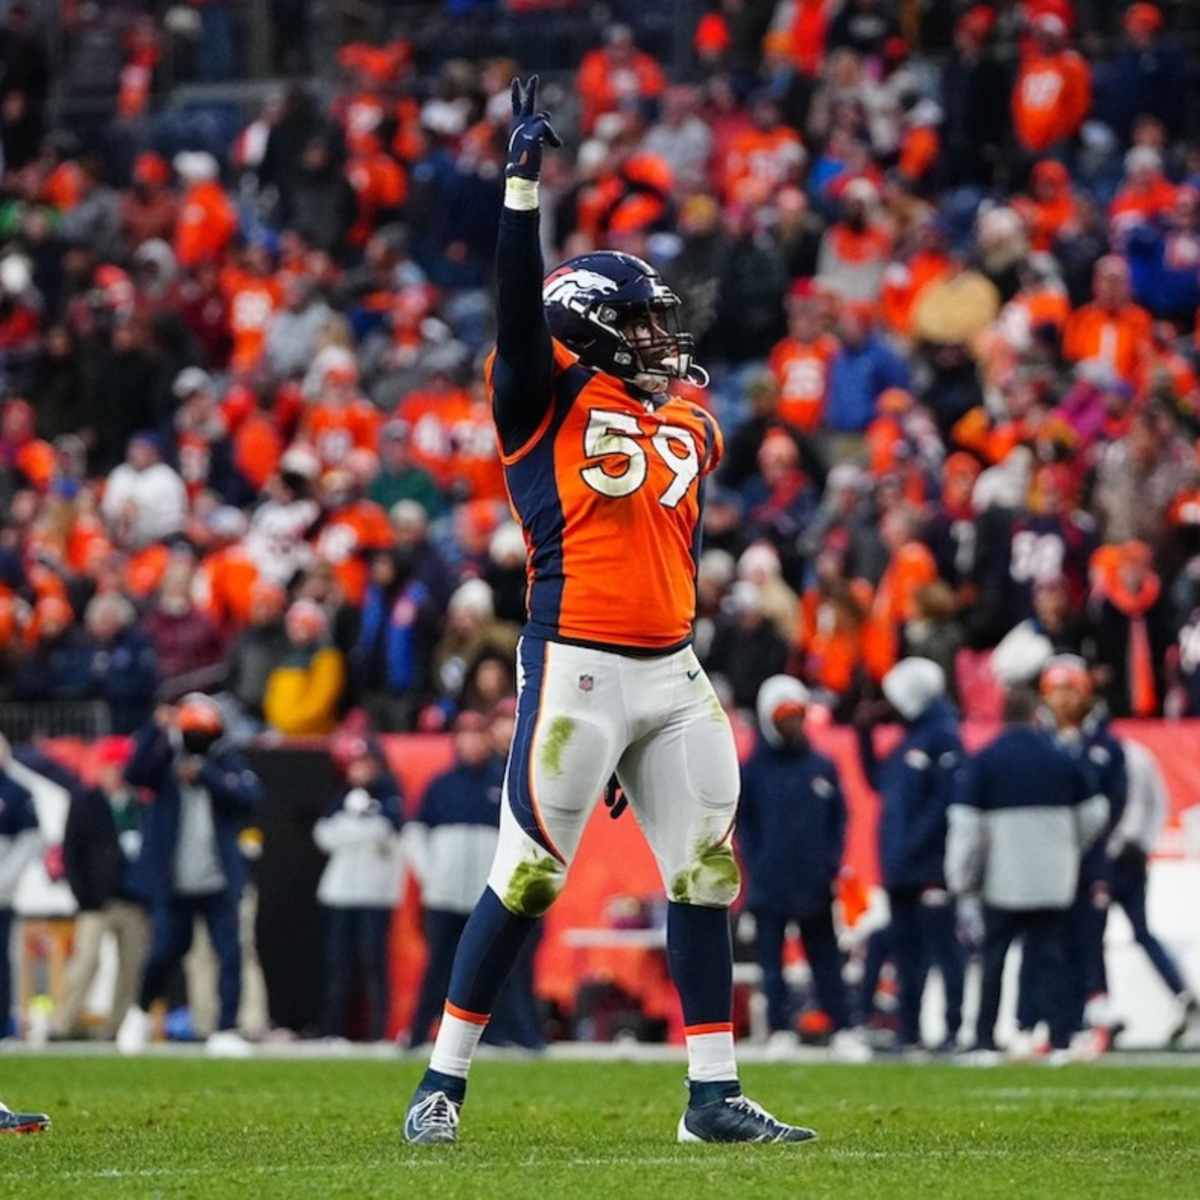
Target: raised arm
(523, 368)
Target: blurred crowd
(942, 260)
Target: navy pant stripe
(520, 799)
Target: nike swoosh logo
(693, 674)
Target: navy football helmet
(616, 313)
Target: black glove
(614, 798)
(530, 129)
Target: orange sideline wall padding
(614, 860)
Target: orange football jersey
(608, 491)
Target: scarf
(1143, 692)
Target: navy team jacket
(791, 829)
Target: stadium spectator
(681, 137)
(304, 692)
(1053, 90)
(400, 477)
(915, 783)
(1131, 621)
(451, 845)
(746, 648)
(1129, 846)
(1082, 729)
(391, 657)
(207, 218)
(59, 666)
(201, 794)
(186, 643)
(27, 79)
(260, 648)
(1112, 328)
(791, 832)
(1147, 76)
(1021, 818)
(123, 666)
(359, 886)
(101, 847)
(20, 844)
(864, 368)
(472, 633)
(145, 500)
(617, 76)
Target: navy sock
(487, 950)
(711, 1093)
(437, 1081)
(700, 953)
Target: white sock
(457, 1038)
(710, 1053)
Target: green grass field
(194, 1128)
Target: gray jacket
(1024, 813)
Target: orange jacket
(1046, 218)
(225, 584)
(904, 283)
(919, 149)
(257, 448)
(603, 87)
(829, 636)
(1120, 339)
(207, 221)
(911, 568)
(1146, 203)
(1051, 98)
(379, 182)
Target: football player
(605, 470)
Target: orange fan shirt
(802, 372)
(1121, 339)
(912, 567)
(253, 300)
(1144, 203)
(608, 490)
(334, 432)
(759, 160)
(1053, 94)
(207, 222)
(431, 418)
(475, 464)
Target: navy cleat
(17, 1122)
(720, 1113)
(432, 1117)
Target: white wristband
(521, 194)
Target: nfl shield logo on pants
(586, 683)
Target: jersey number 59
(607, 435)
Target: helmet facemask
(659, 349)
(652, 348)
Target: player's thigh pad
(569, 733)
(683, 781)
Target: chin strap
(697, 376)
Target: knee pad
(710, 878)
(528, 888)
